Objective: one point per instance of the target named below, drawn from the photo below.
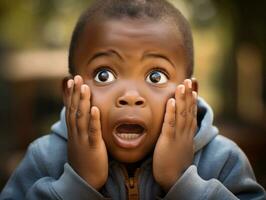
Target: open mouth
(129, 135)
(129, 131)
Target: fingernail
(76, 79)
(181, 89)
(83, 89)
(189, 83)
(69, 83)
(92, 110)
(172, 101)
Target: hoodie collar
(206, 131)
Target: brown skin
(130, 50)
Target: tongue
(130, 128)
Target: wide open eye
(156, 77)
(104, 76)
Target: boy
(133, 126)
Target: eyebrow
(109, 53)
(157, 55)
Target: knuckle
(83, 136)
(92, 129)
(79, 114)
(92, 143)
(191, 110)
(183, 113)
(72, 109)
(171, 123)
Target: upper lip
(131, 120)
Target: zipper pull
(132, 188)
(132, 185)
(131, 182)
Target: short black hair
(134, 9)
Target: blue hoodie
(220, 170)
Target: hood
(60, 127)
(205, 133)
(206, 130)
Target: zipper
(131, 184)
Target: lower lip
(129, 143)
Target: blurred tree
(245, 22)
(248, 28)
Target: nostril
(139, 103)
(132, 100)
(122, 102)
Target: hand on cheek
(174, 149)
(87, 153)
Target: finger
(189, 106)
(168, 128)
(73, 108)
(70, 84)
(193, 126)
(83, 112)
(95, 133)
(180, 109)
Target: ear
(65, 88)
(195, 85)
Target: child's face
(132, 68)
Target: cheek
(100, 100)
(157, 102)
(159, 96)
(100, 96)
(104, 101)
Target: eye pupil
(103, 76)
(155, 77)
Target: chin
(128, 157)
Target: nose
(131, 98)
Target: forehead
(131, 37)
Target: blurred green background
(230, 48)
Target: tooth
(128, 136)
(134, 136)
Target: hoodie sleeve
(29, 181)
(235, 180)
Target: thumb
(95, 133)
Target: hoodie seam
(229, 162)
(209, 191)
(53, 191)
